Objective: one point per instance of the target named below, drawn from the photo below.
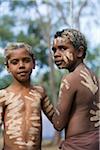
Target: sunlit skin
(20, 64)
(64, 54)
(23, 103)
(76, 94)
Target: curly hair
(76, 37)
(14, 46)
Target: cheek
(30, 66)
(11, 69)
(69, 55)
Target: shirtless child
(21, 103)
(79, 92)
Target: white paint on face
(90, 83)
(67, 56)
(57, 40)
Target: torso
(79, 120)
(22, 120)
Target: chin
(61, 67)
(22, 80)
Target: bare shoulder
(2, 92)
(40, 90)
(71, 78)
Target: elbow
(58, 127)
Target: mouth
(58, 63)
(22, 73)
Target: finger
(98, 105)
(87, 71)
(94, 118)
(98, 113)
(84, 73)
(92, 112)
(85, 84)
(95, 81)
(97, 124)
(83, 76)
(87, 75)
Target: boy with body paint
(21, 102)
(79, 93)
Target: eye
(27, 60)
(14, 62)
(54, 49)
(62, 48)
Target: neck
(75, 66)
(21, 85)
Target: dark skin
(75, 99)
(23, 103)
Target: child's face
(20, 64)
(65, 55)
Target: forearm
(48, 108)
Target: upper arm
(47, 106)
(65, 99)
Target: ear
(80, 51)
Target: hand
(96, 114)
(89, 82)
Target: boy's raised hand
(89, 82)
(92, 85)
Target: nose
(21, 64)
(57, 53)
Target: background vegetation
(35, 22)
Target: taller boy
(79, 92)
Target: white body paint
(15, 117)
(90, 83)
(14, 120)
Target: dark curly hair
(75, 36)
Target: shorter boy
(79, 92)
(21, 102)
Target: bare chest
(22, 117)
